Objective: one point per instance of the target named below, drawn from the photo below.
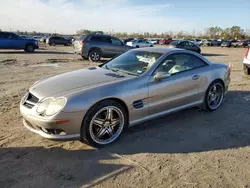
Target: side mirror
(161, 75)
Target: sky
(68, 16)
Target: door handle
(195, 77)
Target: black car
(187, 45)
(56, 40)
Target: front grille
(30, 101)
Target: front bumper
(51, 127)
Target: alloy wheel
(215, 96)
(106, 125)
(95, 56)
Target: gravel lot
(191, 148)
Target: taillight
(247, 52)
(83, 43)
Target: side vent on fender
(138, 104)
(92, 68)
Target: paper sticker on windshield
(146, 60)
(139, 71)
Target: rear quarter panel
(211, 73)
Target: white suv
(246, 62)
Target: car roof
(99, 35)
(162, 50)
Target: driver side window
(179, 63)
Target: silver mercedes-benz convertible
(96, 104)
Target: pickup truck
(10, 40)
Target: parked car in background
(226, 43)
(140, 43)
(43, 39)
(207, 43)
(242, 43)
(127, 40)
(246, 62)
(95, 47)
(185, 44)
(166, 41)
(57, 40)
(234, 43)
(37, 38)
(10, 40)
(153, 41)
(96, 104)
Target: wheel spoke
(109, 115)
(99, 122)
(115, 122)
(110, 131)
(101, 132)
(214, 89)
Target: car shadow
(36, 52)
(209, 54)
(189, 131)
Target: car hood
(80, 79)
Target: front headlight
(44, 105)
(50, 106)
(55, 106)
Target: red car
(166, 41)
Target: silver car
(96, 104)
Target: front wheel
(104, 123)
(214, 96)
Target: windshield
(133, 62)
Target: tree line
(234, 32)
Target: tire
(90, 132)
(94, 55)
(151, 45)
(206, 103)
(53, 44)
(137, 46)
(246, 70)
(29, 48)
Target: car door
(4, 44)
(104, 44)
(16, 42)
(181, 88)
(117, 46)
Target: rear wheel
(214, 96)
(103, 123)
(95, 55)
(29, 48)
(246, 70)
(137, 46)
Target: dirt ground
(191, 148)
